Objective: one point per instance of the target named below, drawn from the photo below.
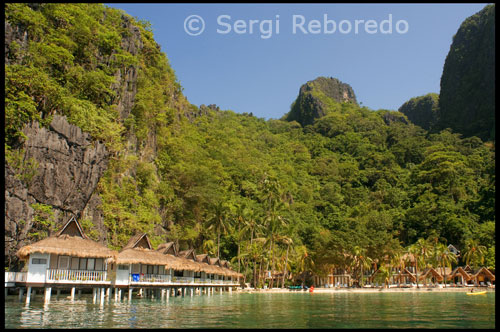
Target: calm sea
(242, 310)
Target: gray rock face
(69, 168)
(18, 35)
(313, 96)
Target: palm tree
(219, 222)
(421, 250)
(474, 252)
(445, 257)
(287, 241)
(361, 260)
(303, 260)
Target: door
(38, 265)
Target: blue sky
(261, 72)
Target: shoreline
(369, 290)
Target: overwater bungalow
(137, 264)
(67, 259)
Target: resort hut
(192, 267)
(374, 275)
(219, 272)
(432, 274)
(482, 276)
(137, 262)
(206, 267)
(462, 274)
(405, 277)
(68, 256)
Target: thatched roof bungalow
(430, 273)
(69, 241)
(460, 272)
(178, 263)
(482, 274)
(138, 262)
(404, 275)
(68, 249)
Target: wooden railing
(160, 278)
(80, 276)
(15, 276)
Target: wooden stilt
(130, 294)
(58, 293)
(21, 292)
(73, 293)
(94, 295)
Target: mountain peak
(317, 97)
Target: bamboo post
(130, 294)
(168, 293)
(73, 293)
(108, 293)
(102, 295)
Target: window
(99, 266)
(123, 267)
(83, 264)
(136, 268)
(91, 264)
(63, 262)
(150, 269)
(74, 263)
(39, 261)
(178, 273)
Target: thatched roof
(214, 261)
(188, 254)
(203, 258)
(143, 256)
(168, 248)
(426, 272)
(139, 240)
(406, 273)
(69, 241)
(460, 270)
(139, 251)
(485, 272)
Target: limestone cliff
(315, 98)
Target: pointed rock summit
(315, 98)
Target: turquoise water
(242, 310)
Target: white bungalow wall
(37, 267)
(122, 274)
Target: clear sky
(261, 72)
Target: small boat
(476, 293)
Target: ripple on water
(240, 310)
